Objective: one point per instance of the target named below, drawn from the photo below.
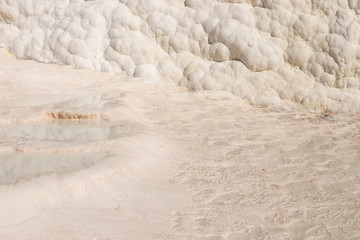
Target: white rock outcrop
(299, 54)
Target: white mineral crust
(298, 54)
(131, 152)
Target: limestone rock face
(298, 54)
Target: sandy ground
(87, 155)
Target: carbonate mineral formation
(295, 54)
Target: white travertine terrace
(98, 155)
(296, 53)
(89, 155)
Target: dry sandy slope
(164, 163)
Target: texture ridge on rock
(297, 54)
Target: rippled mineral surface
(195, 119)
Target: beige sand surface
(157, 162)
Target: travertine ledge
(298, 54)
